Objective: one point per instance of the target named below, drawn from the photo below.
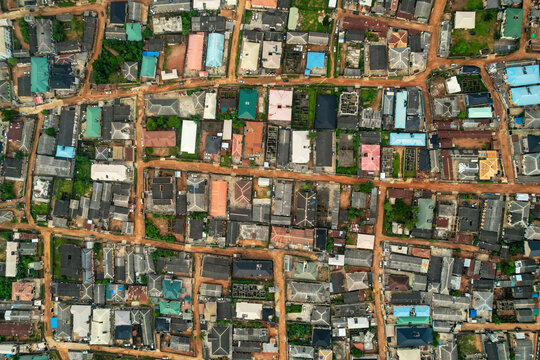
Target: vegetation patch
(299, 333)
(400, 213)
(472, 42)
(467, 345)
(312, 20)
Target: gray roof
(220, 337)
(165, 106)
(5, 91)
(309, 292)
(297, 38)
(44, 36)
(363, 258)
(130, 70)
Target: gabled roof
(247, 107)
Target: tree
(149, 150)
(8, 190)
(25, 30)
(147, 33)
(12, 61)
(312, 135)
(151, 124)
(356, 352)
(173, 122)
(174, 151)
(77, 25)
(366, 187)
(9, 114)
(58, 31)
(509, 268)
(50, 131)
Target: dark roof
(23, 86)
(415, 43)
(224, 310)
(253, 269)
(274, 18)
(61, 208)
(66, 289)
(196, 227)
(68, 46)
(406, 298)
(122, 332)
(479, 99)
(212, 144)
(163, 324)
(326, 116)
(355, 35)
(323, 148)
(89, 33)
(216, 267)
(12, 168)
(163, 190)
(469, 219)
(66, 125)
(434, 269)
(118, 12)
(181, 204)
(378, 57)
(321, 337)
(407, 6)
(413, 336)
(533, 142)
(469, 69)
(155, 45)
(208, 23)
(320, 239)
(337, 282)
(424, 160)
(70, 260)
(220, 340)
(347, 122)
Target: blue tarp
(402, 311)
(523, 75)
(65, 151)
(422, 311)
(214, 53)
(401, 109)
(526, 95)
(407, 139)
(473, 313)
(151, 53)
(54, 323)
(314, 60)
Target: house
(39, 75)
(130, 70)
(188, 142)
(250, 56)
(195, 51)
(271, 54)
(267, 4)
(206, 4)
(148, 67)
(247, 108)
(170, 6)
(378, 57)
(308, 292)
(218, 199)
(280, 105)
(326, 117)
(12, 169)
(160, 138)
(512, 23)
(117, 13)
(220, 339)
(249, 311)
(414, 336)
(22, 291)
(321, 337)
(465, 20)
(252, 269)
(370, 157)
(315, 64)
(164, 25)
(44, 39)
(324, 148)
(212, 24)
(301, 352)
(214, 52)
(216, 267)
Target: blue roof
(65, 151)
(422, 311)
(523, 75)
(54, 323)
(473, 313)
(151, 53)
(526, 95)
(214, 54)
(402, 311)
(407, 139)
(401, 109)
(314, 60)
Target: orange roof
(237, 145)
(253, 138)
(398, 39)
(195, 51)
(164, 138)
(420, 252)
(22, 291)
(218, 201)
(264, 3)
(283, 237)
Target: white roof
(453, 85)
(250, 56)
(522, 197)
(365, 241)
(336, 260)
(301, 147)
(8, 348)
(108, 172)
(465, 20)
(122, 317)
(271, 54)
(248, 311)
(409, 354)
(206, 4)
(11, 258)
(169, 76)
(101, 327)
(167, 25)
(227, 129)
(81, 320)
(210, 101)
(358, 323)
(189, 137)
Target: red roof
(195, 51)
(371, 157)
(253, 138)
(264, 3)
(400, 193)
(137, 293)
(22, 291)
(15, 329)
(237, 145)
(164, 138)
(242, 192)
(283, 237)
(398, 282)
(15, 131)
(218, 201)
(423, 253)
(442, 222)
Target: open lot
(175, 58)
(481, 38)
(311, 20)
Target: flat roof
(301, 148)
(407, 139)
(480, 112)
(401, 109)
(525, 95)
(108, 172)
(189, 137)
(280, 105)
(148, 67)
(523, 75)
(314, 60)
(250, 56)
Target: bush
(149, 150)
(58, 31)
(25, 30)
(50, 131)
(356, 352)
(8, 191)
(9, 114)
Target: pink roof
(280, 105)
(195, 51)
(371, 157)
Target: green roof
(247, 108)
(513, 21)
(39, 74)
(134, 32)
(169, 307)
(93, 123)
(293, 18)
(305, 270)
(148, 67)
(171, 289)
(416, 320)
(425, 214)
(480, 112)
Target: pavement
(420, 80)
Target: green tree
(58, 31)
(25, 30)
(149, 150)
(147, 33)
(174, 151)
(509, 268)
(12, 61)
(173, 122)
(77, 26)
(151, 124)
(366, 187)
(356, 352)
(50, 131)
(9, 114)
(8, 190)
(312, 135)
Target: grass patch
(293, 308)
(396, 166)
(312, 105)
(247, 16)
(472, 42)
(466, 345)
(311, 4)
(368, 97)
(475, 4)
(471, 84)
(310, 21)
(39, 209)
(63, 187)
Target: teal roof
(148, 67)
(169, 307)
(305, 270)
(39, 74)
(214, 52)
(414, 320)
(513, 20)
(480, 112)
(93, 123)
(134, 32)
(425, 214)
(171, 289)
(247, 109)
